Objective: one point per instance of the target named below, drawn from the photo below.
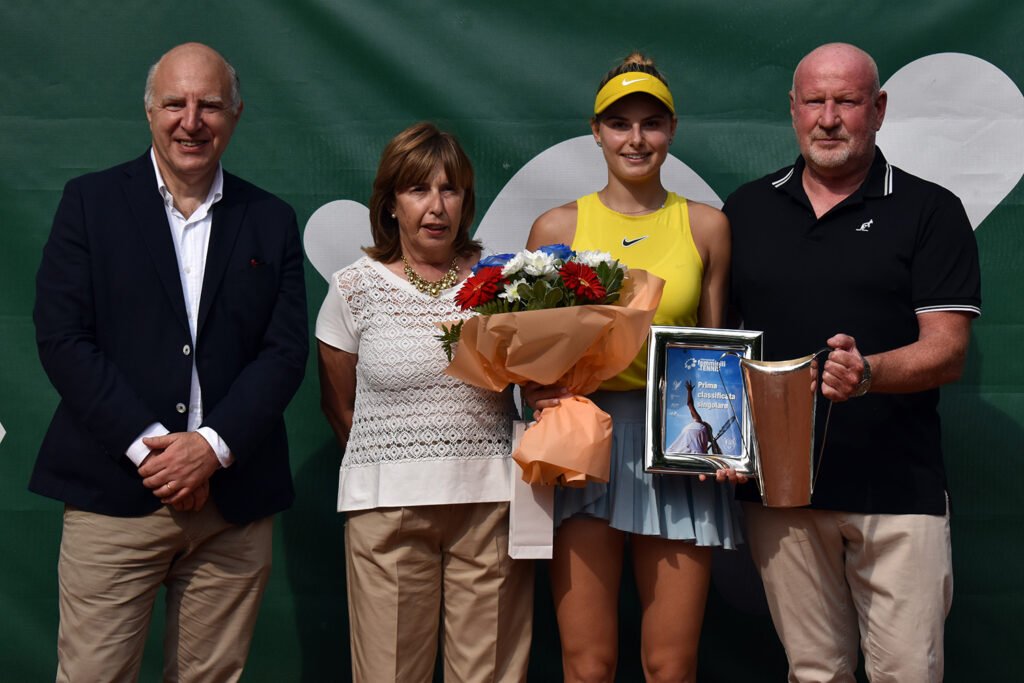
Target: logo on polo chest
(865, 225)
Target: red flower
(480, 288)
(582, 281)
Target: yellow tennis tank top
(660, 243)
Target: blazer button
(186, 349)
(181, 408)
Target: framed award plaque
(698, 420)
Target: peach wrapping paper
(578, 347)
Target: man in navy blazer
(171, 318)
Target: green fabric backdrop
(326, 84)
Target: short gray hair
(236, 86)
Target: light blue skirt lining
(675, 506)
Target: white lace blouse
(419, 437)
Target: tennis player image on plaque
(697, 415)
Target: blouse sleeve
(335, 325)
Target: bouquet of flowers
(554, 316)
(551, 277)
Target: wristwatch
(865, 380)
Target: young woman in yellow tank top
(671, 520)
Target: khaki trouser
(835, 578)
(110, 571)
(410, 569)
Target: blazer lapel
(227, 222)
(151, 219)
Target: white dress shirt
(191, 238)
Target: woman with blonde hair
(669, 522)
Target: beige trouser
(832, 578)
(110, 571)
(410, 568)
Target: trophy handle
(828, 416)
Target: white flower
(511, 292)
(592, 258)
(514, 266)
(539, 264)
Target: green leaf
(553, 297)
(449, 337)
(610, 276)
(523, 291)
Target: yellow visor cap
(629, 83)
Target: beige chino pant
(835, 578)
(412, 569)
(111, 568)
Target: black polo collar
(879, 182)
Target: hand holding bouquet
(553, 316)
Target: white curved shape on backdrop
(559, 175)
(957, 120)
(335, 234)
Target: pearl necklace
(432, 288)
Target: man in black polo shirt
(842, 249)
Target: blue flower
(493, 260)
(559, 251)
